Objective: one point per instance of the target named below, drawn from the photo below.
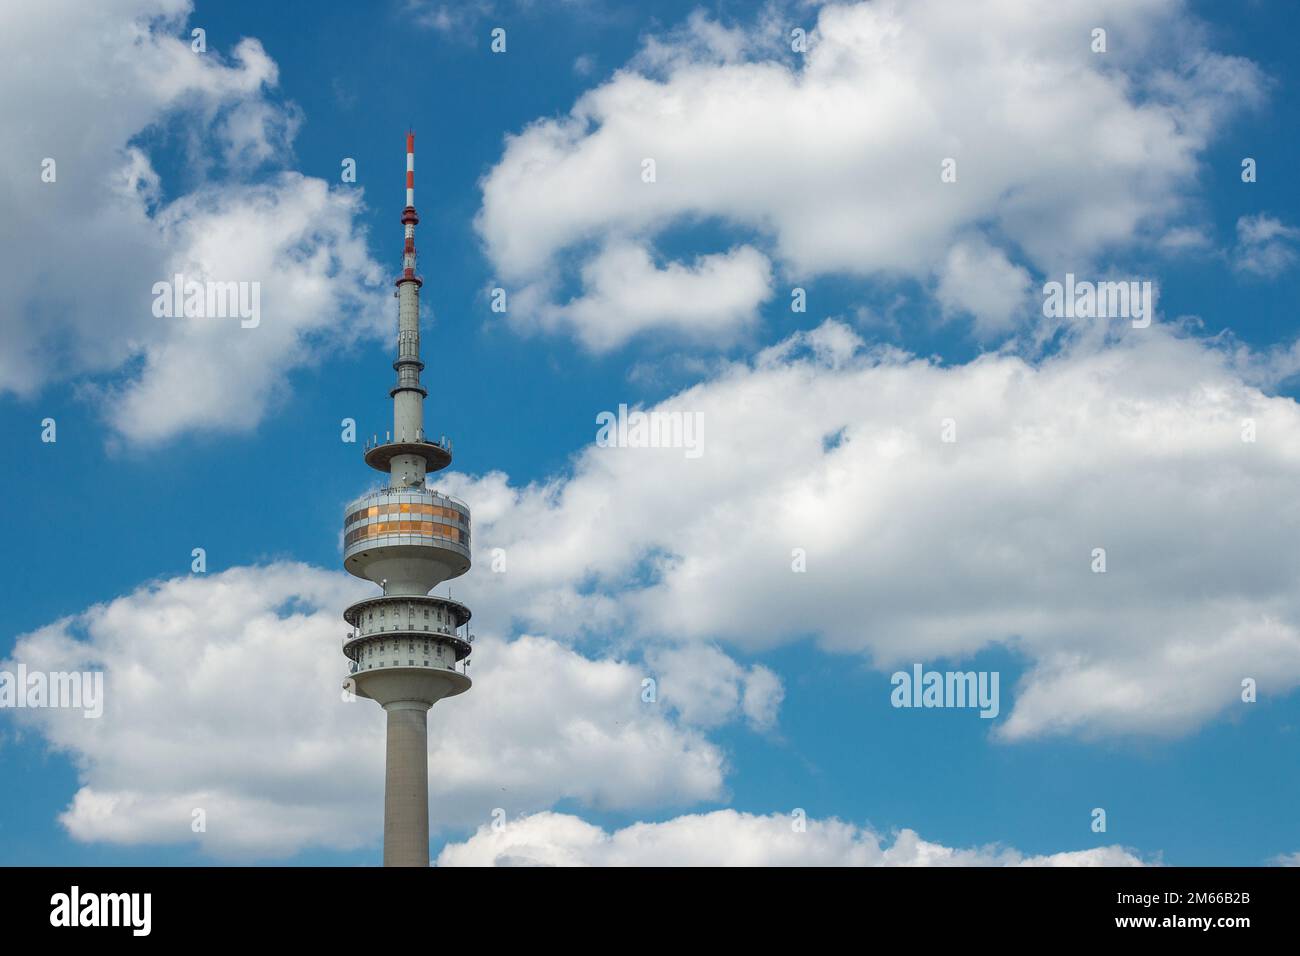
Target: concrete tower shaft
(406, 785)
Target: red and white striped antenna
(410, 169)
(409, 218)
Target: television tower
(407, 649)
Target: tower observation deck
(407, 649)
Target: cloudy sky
(830, 247)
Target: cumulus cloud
(728, 838)
(979, 280)
(708, 688)
(293, 236)
(1266, 247)
(625, 293)
(84, 252)
(831, 160)
(919, 549)
(222, 693)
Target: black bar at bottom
(369, 906)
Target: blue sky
(1123, 701)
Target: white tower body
(407, 650)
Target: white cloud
(83, 253)
(919, 549)
(256, 132)
(1184, 240)
(728, 838)
(1265, 246)
(222, 693)
(979, 280)
(763, 696)
(625, 293)
(295, 237)
(831, 160)
(447, 18)
(707, 688)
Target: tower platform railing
(459, 667)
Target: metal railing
(400, 490)
(458, 667)
(398, 632)
(373, 441)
